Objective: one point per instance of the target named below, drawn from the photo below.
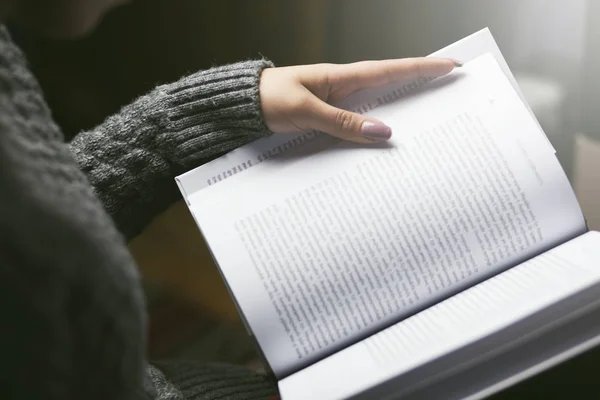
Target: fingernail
(375, 131)
(457, 63)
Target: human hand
(297, 98)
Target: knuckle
(419, 65)
(302, 107)
(344, 120)
(324, 72)
(302, 104)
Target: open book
(450, 262)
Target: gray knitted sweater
(71, 306)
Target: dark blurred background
(153, 41)
(552, 46)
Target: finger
(345, 124)
(367, 74)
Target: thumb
(346, 124)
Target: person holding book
(453, 262)
(72, 305)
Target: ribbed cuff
(133, 157)
(159, 387)
(215, 381)
(211, 110)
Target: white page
(257, 152)
(465, 318)
(439, 178)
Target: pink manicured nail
(375, 131)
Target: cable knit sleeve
(132, 158)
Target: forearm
(132, 158)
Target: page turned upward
(341, 244)
(474, 314)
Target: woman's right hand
(297, 98)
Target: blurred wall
(402, 28)
(590, 98)
(543, 41)
(545, 36)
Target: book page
(477, 312)
(341, 244)
(265, 149)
